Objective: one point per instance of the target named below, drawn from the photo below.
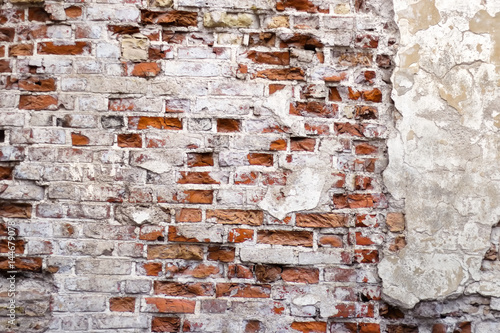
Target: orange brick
(300, 275)
(122, 304)
(164, 305)
(218, 253)
(283, 237)
(129, 140)
(188, 215)
(309, 326)
(239, 235)
(260, 159)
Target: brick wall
(199, 166)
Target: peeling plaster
(307, 175)
(444, 149)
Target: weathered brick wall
(200, 166)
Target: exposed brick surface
(139, 140)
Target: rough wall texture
(215, 166)
(444, 150)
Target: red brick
(122, 304)
(218, 253)
(272, 58)
(340, 201)
(37, 102)
(279, 144)
(275, 87)
(362, 240)
(195, 196)
(463, 327)
(366, 256)
(153, 268)
(188, 215)
(157, 53)
(348, 128)
(239, 271)
(234, 216)
(38, 14)
(302, 144)
(15, 210)
(283, 237)
(366, 112)
(174, 37)
(243, 290)
(267, 39)
(196, 178)
(146, 69)
(151, 233)
(154, 122)
(300, 275)
(362, 183)
(228, 125)
(367, 41)
(37, 84)
(321, 220)
(6, 173)
(200, 159)
(309, 326)
(334, 95)
(79, 139)
(170, 18)
(313, 109)
(171, 305)
(402, 329)
(129, 140)
(175, 251)
(366, 221)
(331, 240)
(7, 34)
(18, 246)
(282, 74)
(260, 159)
(267, 273)
(344, 327)
(247, 178)
(22, 264)
(307, 42)
(356, 200)
(253, 326)
(70, 49)
(191, 289)
(199, 271)
(365, 149)
(17, 50)
(166, 324)
(73, 11)
(239, 235)
(123, 29)
(439, 328)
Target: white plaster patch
(443, 151)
